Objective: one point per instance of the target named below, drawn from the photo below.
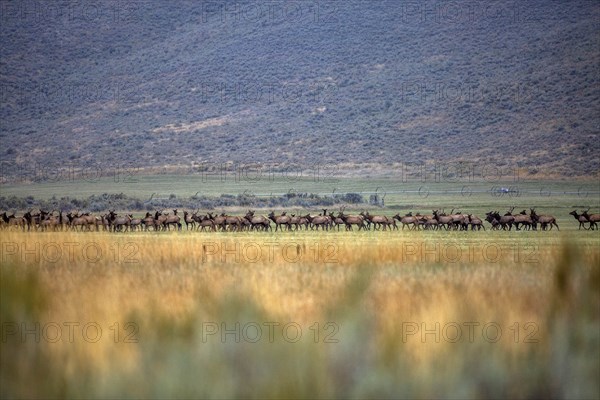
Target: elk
(329, 219)
(84, 220)
(459, 220)
(104, 222)
(219, 220)
(75, 220)
(197, 218)
(49, 222)
(593, 219)
(503, 221)
(494, 219)
(257, 221)
(423, 219)
(408, 220)
(432, 224)
(524, 219)
(16, 221)
(294, 220)
(582, 219)
(61, 220)
(350, 220)
(544, 220)
(119, 222)
(34, 220)
(11, 220)
(52, 222)
(234, 223)
(377, 220)
(304, 221)
(335, 221)
(159, 220)
(29, 220)
(172, 220)
(3, 219)
(148, 221)
(189, 220)
(444, 220)
(299, 221)
(245, 225)
(280, 220)
(41, 216)
(206, 221)
(475, 222)
(91, 220)
(134, 223)
(389, 222)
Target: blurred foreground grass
(183, 322)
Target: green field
(417, 195)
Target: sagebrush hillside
(174, 83)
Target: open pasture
(399, 190)
(328, 313)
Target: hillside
(154, 84)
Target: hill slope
(153, 84)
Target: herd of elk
(350, 220)
(585, 218)
(379, 221)
(408, 220)
(521, 220)
(439, 219)
(323, 221)
(161, 221)
(45, 221)
(280, 220)
(12, 220)
(258, 221)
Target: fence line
(425, 191)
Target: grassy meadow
(312, 314)
(402, 186)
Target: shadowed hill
(154, 84)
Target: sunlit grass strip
(397, 318)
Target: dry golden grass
(372, 286)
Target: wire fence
(425, 192)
